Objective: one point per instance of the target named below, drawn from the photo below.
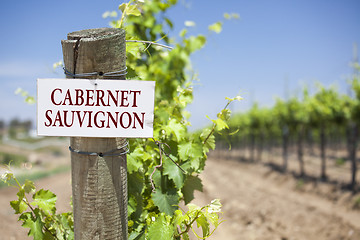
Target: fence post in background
(99, 183)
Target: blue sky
(275, 47)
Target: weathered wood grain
(99, 183)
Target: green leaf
(160, 229)
(136, 159)
(215, 206)
(180, 217)
(237, 98)
(122, 7)
(29, 186)
(45, 199)
(34, 223)
(195, 43)
(183, 32)
(185, 236)
(174, 172)
(203, 223)
(224, 114)
(133, 10)
(137, 236)
(192, 183)
(220, 124)
(190, 149)
(19, 206)
(166, 202)
(216, 27)
(178, 129)
(210, 142)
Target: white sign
(95, 108)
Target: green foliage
(36, 210)
(326, 108)
(27, 98)
(157, 212)
(163, 171)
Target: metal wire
(119, 73)
(125, 149)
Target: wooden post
(99, 183)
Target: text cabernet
(121, 100)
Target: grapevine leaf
(220, 124)
(122, 7)
(195, 43)
(185, 236)
(135, 183)
(34, 223)
(167, 202)
(237, 98)
(203, 223)
(19, 206)
(161, 229)
(215, 206)
(136, 158)
(224, 114)
(137, 236)
(131, 206)
(29, 186)
(210, 141)
(133, 10)
(183, 32)
(45, 199)
(176, 128)
(192, 183)
(216, 27)
(174, 172)
(180, 218)
(135, 188)
(190, 150)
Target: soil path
(262, 204)
(258, 203)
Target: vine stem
(124, 13)
(150, 43)
(188, 226)
(214, 125)
(26, 201)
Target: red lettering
(79, 97)
(89, 97)
(58, 119)
(102, 121)
(141, 122)
(68, 97)
(65, 119)
(121, 120)
(115, 100)
(48, 118)
(134, 99)
(81, 120)
(53, 98)
(100, 98)
(89, 123)
(123, 99)
(113, 119)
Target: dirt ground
(258, 203)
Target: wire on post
(124, 150)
